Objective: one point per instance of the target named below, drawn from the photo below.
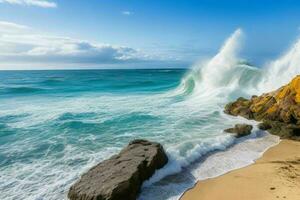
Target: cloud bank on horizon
(175, 35)
(38, 3)
(21, 44)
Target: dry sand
(276, 175)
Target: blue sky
(142, 33)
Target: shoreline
(212, 164)
(275, 175)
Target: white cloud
(21, 44)
(126, 12)
(38, 3)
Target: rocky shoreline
(276, 174)
(278, 111)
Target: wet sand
(276, 175)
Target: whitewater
(55, 125)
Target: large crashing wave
(228, 76)
(223, 75)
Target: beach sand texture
(276, 175)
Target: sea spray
(215, 72)
(280, 72)
(223, 75)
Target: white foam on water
(280, 72)
(243, 152)
(20, 181)
(177, 162)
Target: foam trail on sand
(177, 163)
(244, 152)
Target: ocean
(55, 125)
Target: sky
(46, 34)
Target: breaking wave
(226, 74)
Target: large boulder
(240, 130)
(281, 106)
(121, 176)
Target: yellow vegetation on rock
(294, 87)
(280, 105)
(291, 89)
(272, 109)
(278, 110)
(282, 93)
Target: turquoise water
(54, 125)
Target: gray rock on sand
(240, 130)
(121, 176)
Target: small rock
(240, 130)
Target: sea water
(55, 125)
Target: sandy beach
(276, 175)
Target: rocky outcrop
(240, 130)
(279, 110)
(284, 130)
(121, 176)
